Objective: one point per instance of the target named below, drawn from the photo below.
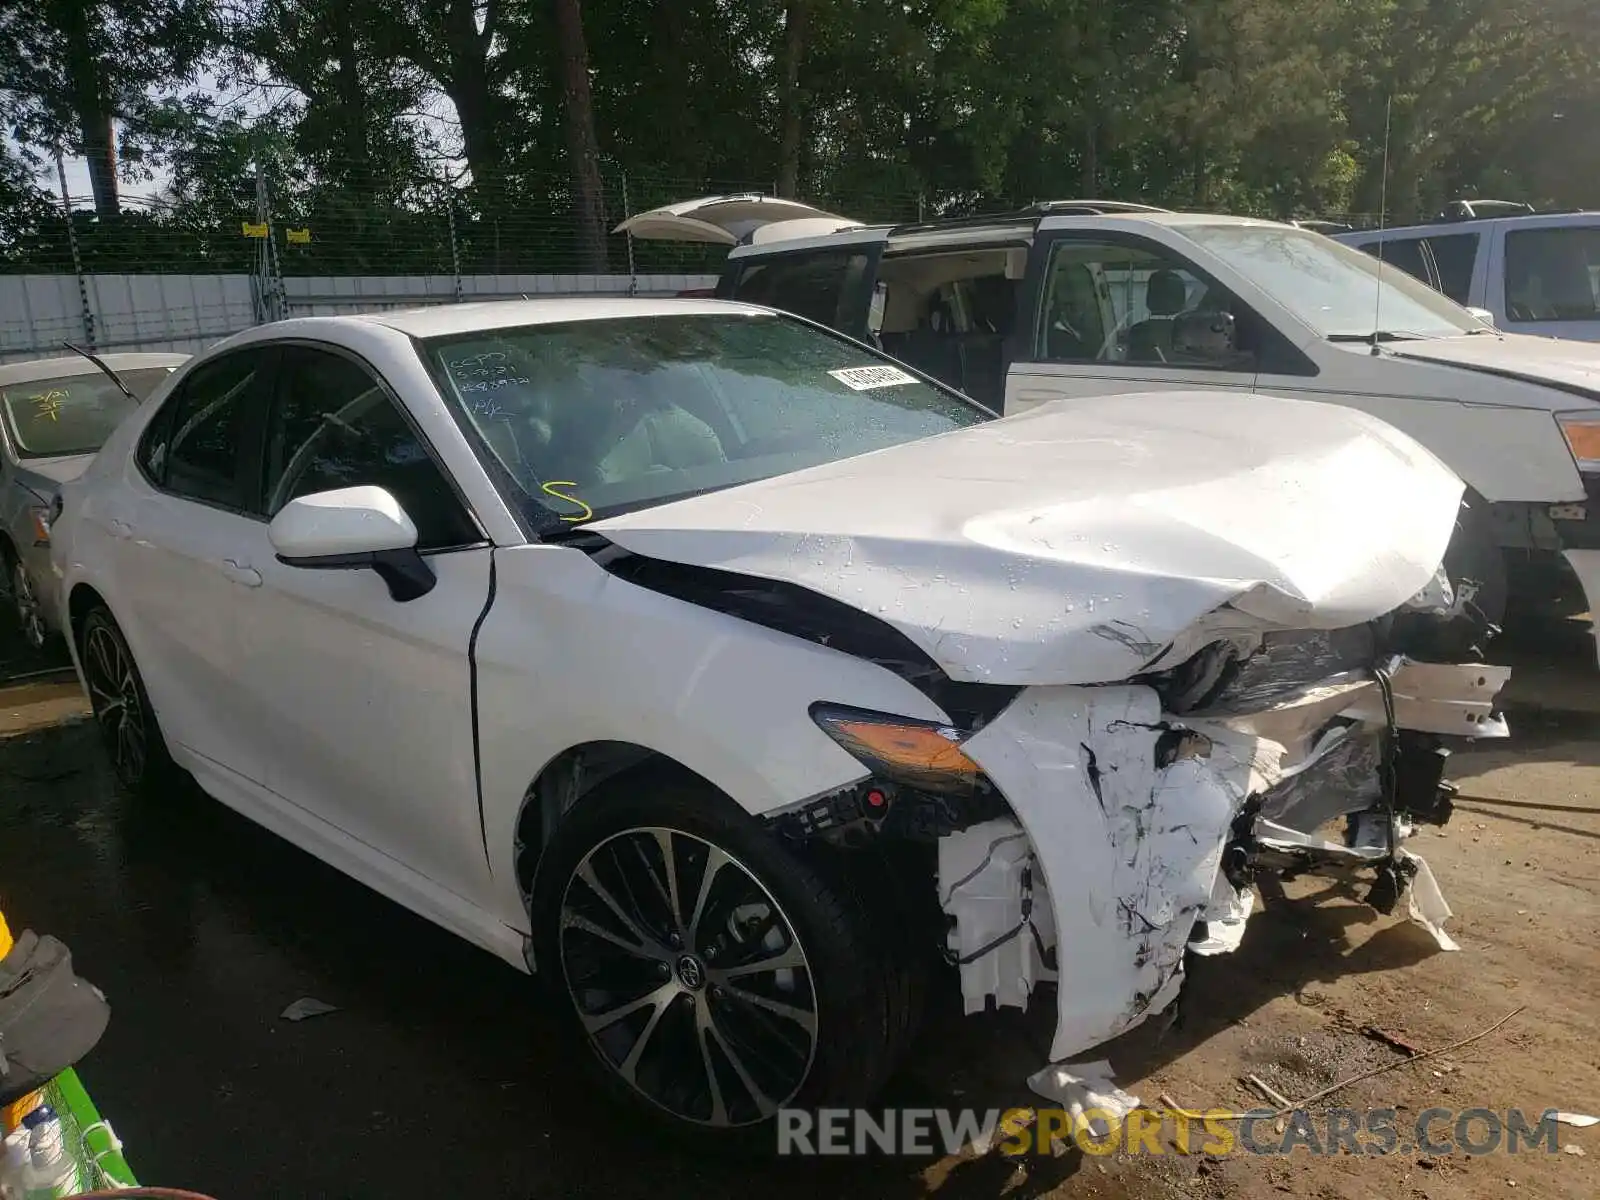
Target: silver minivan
(1535, 274)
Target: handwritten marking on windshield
(48, 404)
(550, 490)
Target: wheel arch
(563, 783)
(80, 600)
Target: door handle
(241, 573)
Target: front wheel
(122, 710)
(715, 976)
(27, 606)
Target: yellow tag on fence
(298, 237)
(255, 231)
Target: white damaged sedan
(733, 676)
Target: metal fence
(186, 313)
(222, 250)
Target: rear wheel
(121, 707)
(715, 976)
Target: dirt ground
(1519, 864)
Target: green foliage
(883, 110)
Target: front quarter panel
(570, 654)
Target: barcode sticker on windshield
(864, 379)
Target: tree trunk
(353, 104)
(1089, 188)
(99, 147)
(582, 147)
(791, 99)
(92, 106)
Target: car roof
(65, 365)
(998, 227)
(446, 319)
(1579, 216)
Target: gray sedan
(54, 415)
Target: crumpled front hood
(1073, 542)
(1569, 365)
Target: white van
(1535, 274)
(1076, 299)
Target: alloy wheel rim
(30, 615)
(114, 695)
(688, 977)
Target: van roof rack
(1091, 207)
(1483, 210)
(1028, 215)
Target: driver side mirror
(348, 529)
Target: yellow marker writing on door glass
(550, 490)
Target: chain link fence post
(455, 245)
(85, 308)
(627, 211)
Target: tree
(791, 97)
(583, 148)
(78, 66)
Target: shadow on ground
(440, 1074)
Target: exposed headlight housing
(1582, 431)
(919, 754)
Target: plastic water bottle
(14, 1160)
(51, 1172)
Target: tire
(819, 1028)
(25, 604)
(122, 709)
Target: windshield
(595, 418)
(70, 414)
(1332, 288)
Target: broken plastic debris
(1081, 1088)
(1003, 918)
(1425, 903)
(307, 1006)
(1577, 1120)
(1573, 1149)
(1224, 918)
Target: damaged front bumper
(1135, 832)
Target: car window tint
(1553, 274)
(1454, 256)
(334, 427)
(197, 452)
(1405, 253)
(1118, 303)
(70, 414)
(815, 286)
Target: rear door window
(1454, 255)
(822, 286)
(1551, 274)
(193, 446)
(1405, 253)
